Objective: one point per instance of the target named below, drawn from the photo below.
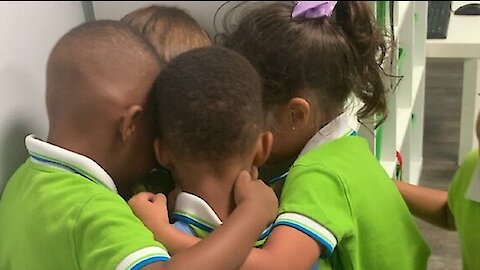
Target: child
(337, 202)
(171, 31)
(61, 210)
(202, 140)
(458, 209)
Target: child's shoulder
(467, 168)
(348, 160)
(348, 149)
(464, 174)
(471, 160)
(68, 190)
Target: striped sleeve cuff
(143, 257)
(311, 228)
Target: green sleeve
(461, 179)
(315, 201)
(108, 235)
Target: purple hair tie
(313, 9)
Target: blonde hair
(170, 30)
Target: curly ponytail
(358, 23)
(329, 56)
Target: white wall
(202, 11)
(28, 31)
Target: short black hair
(209, 105)
(96, 58)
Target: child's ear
(130, 121)
(263, 148)
(161, 153)
(299, 110)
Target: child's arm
(286, 248)
(228, 246)
(174, 240)
(428, 204)
(156, 219)
(302, 250)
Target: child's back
(64, 216)
(360, 206)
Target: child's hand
(249, 189)
(150, 208)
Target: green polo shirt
(340, 196)
(60, 210)
(466, 211)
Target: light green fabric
(340, 195)
(466, 212)
(51, 218)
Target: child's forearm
(286, 248)
(174, 239)
(228, 246)
(428, 204)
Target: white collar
(337, 128)
(195, 208)
(51, 155)
(342, 125)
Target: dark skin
(101, 88)
(430, 204)
(98, 106)
(302, 248)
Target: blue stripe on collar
(63, 166)
(49, 154)
(277, 178)
(266, 232)
(192, 222)
(189, 220)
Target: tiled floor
(440, 151)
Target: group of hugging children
(152, 93)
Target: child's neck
(214, 188)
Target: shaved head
(98, 63)
(99, 81)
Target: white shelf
(463, 38)
(418, 78)
(401, 12)
(400, 132)
(389, 167)
(403, 120)
(415, 172)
